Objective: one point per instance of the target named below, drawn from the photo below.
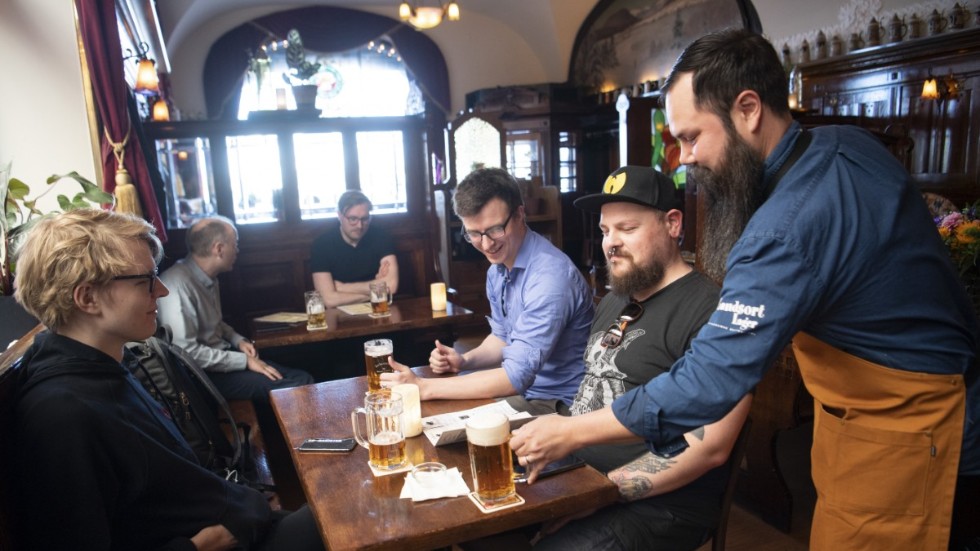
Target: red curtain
(100, 36)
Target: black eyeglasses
(151, 277)
(494, 233)
(364, 220)
(614, 334)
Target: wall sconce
(427, 17)
(147, 80)
(940, 89)
(160, 112)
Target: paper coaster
(385, 472)
(512, 502)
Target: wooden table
(355, 510)
(406, 314)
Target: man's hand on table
(548, 438)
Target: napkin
(452, 485)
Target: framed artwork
(624, 42)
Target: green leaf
(17, 189)
(64, 203)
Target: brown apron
(886, 449)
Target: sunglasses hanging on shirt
(614, 334)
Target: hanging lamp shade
(930, 90)
(161, 112)
(427, 17)
(147, 80)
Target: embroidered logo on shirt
(744, 317)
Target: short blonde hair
(66, 250)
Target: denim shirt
(843, 249)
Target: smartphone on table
(566, 464)
(327, 445)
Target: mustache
(616, 252)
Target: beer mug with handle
(488, 439)
(380, 299)
(382, 435)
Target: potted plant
(301, 72)
(20, 212)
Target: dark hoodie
(102, 467)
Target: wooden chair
(9, 510)
(734, 466)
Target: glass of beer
(316, 312)
(382, 435)
(376, 355)
(380, 299)
(488, 438)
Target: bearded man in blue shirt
(822, 240)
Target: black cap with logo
(634, 184)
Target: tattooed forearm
(632, 478)
(631, 486)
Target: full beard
(732, 194)
(637, 278)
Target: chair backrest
(9, 511)
(733, 466)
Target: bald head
(206, 232)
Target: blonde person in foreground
(822, 241)
(100, 464)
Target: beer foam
(488, 429)
(378, 348)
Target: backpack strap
(202, 378)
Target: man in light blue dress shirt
(540, 308)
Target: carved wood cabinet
(881, 89)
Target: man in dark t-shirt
(346, 261)
(657, 305)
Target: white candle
(412, 409)
(437, 292)
(280, 98)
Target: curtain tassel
(127, 198)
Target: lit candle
(437, 292)
(280, 98)
(412, 409)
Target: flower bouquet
(960, 231)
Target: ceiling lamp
(427, 17)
